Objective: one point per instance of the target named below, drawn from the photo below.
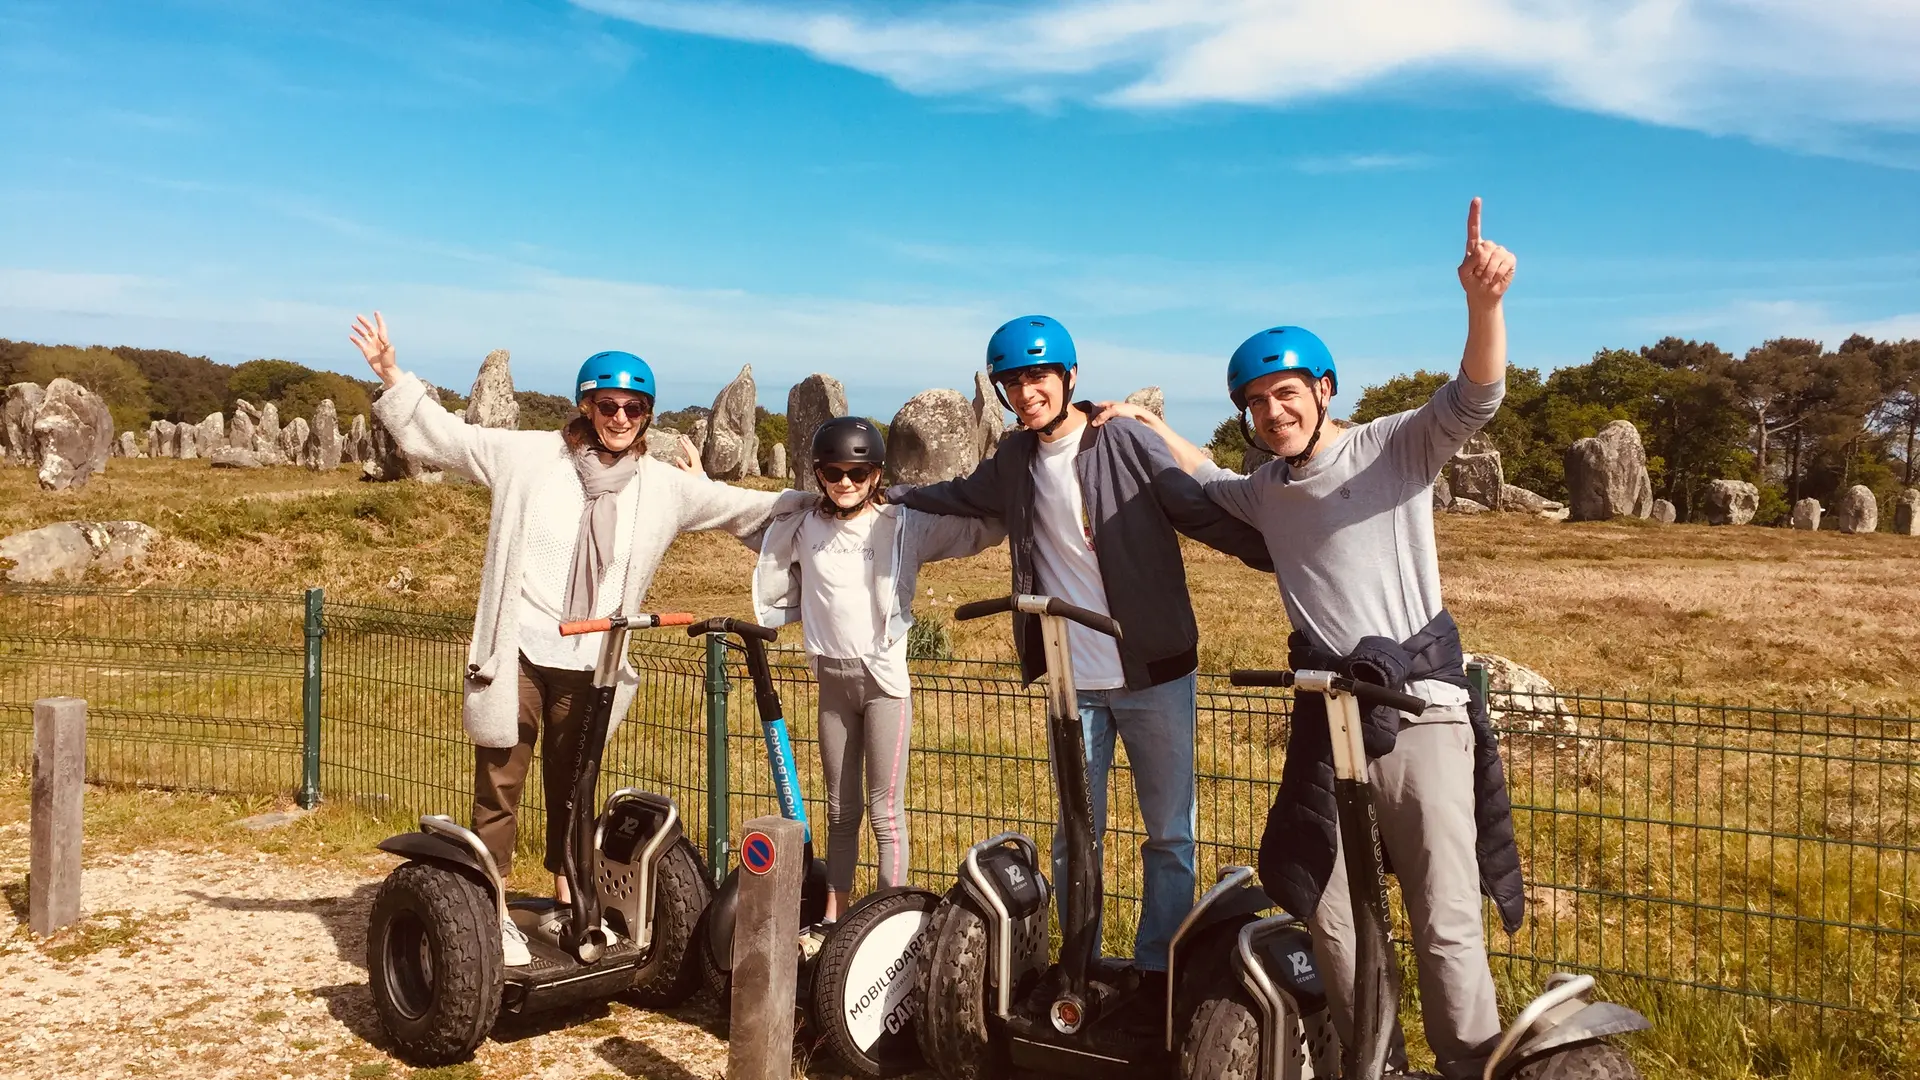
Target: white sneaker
(513, 945)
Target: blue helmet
(1029, 341)
(1283, 348)
(613, 370)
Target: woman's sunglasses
(833, 474)
(634, 409)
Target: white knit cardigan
(511, 463)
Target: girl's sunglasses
(833, 474)
(634, 409)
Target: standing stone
(1663, 512)
(1256, 455)
(72, 434)
(732, 448)
(160, 440)
(232, 457)
(1858, 511)
(16, 422)
(324, 445)
(1478, 477)
(1906, 513)
(129, 446)
(266, 431)
(777, 461)
(491, 402)
(1731, 502)
(931, 439)
(186, 441)
(1151, 399)
(1518, 500)
(813, 401)
(240, 432)
(384, 461)
(212, 435)
(293, 441)
(66, 550)
(989, 421)
(664, 446)
(1806, 514)
(1607, 475)
(697, 434)
(59, 783)
(360, 444)
(1442, 492)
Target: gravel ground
(212, 965)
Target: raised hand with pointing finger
(1487, 270)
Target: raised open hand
(1487, 270)
(371, 339)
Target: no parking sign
(756, 853)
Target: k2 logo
(1302, 964)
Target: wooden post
(766, 949)
(59, 779)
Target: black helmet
(849, 438)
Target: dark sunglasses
(634, 409)
(833, 474)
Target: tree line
(144, 385)
(1790, 416)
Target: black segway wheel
(866, 981)
(1223, 1038)
(671, 972)
(1584, 1061)
(952, 1028)
(434, 963)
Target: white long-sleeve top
(515, 465)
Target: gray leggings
(860, 725)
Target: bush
(927, 639)
(1774, 508)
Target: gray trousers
(862, 726)
(1424, 793)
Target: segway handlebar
(733, 626)
(629, 622)
(1039, 605)
(1369, 694)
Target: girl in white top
(580, 521)
(846, 568)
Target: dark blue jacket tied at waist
(1302, 835)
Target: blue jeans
(1157, 727)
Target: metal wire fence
(1751, 854)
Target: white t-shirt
(553, 531)
(1067, 565)
(839, 610)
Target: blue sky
(869, 189)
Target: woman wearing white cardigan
(581, 519)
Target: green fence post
(1477, 680)
(717, 820)
(309, 794)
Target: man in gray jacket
(1347, 511)
(1091, 515)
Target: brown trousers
(554, 704)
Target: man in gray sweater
(1091, 515)
(1347, 512)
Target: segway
(434, 961)
(857, 992)
(992, 1002)
(1270, 1021)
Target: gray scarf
(594, 549)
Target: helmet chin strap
(1306, 452)
(1066, 404)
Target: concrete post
(59, 779)
(766, 949)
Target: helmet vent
(1035, 322)
(1270, 359)
(1041, 351)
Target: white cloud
(1833, 75)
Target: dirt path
(215, 965)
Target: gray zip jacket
(899, 552)
(1136, 497)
